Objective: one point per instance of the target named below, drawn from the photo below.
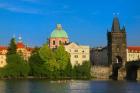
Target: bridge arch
(115, 67)
(132, 70)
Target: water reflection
(79, 87)
(17, 86)
(116, 87)
(2, 86)
(44, 86)
(75, 86)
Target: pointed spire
(115, 24)
(123, 28)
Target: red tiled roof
(30, 49)
(20, 45)
(3, 48)
(134, 48)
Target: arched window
(53, 42)
(60, 42)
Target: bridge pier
(122, 73)
(138, 74)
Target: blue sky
(85, 21)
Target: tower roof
(59, 32)
(115, 25)
(20, 45)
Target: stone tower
(117, 43)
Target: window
(76, 56)
(84, 56)
(53, 42)
(76, 50)
(60, 42)
(83, 51)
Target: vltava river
(75, 86)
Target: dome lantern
(59, 32)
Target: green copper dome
(59, 32)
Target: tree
(12, 47)
(36, 65)
(62, 57)
(16, 67)
(51, 66)
(82, 71)
(46, 53)
(68, 70)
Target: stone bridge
(131, 71)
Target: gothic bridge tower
(117, 45)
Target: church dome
(59, 32)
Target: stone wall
(100, 72)
(121, 73)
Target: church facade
(58, 37)
(78, 53)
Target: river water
(74, 86)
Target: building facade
(58, 37)
(3, 52)
(117, 43)
(133, 53)
(23, 50)
(78, 53)
(98, 56)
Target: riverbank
(31, 77)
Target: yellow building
(21, 49)
(133, 53)
(78, 53)
(3, 51)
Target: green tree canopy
(36, 65)
(62, 57)
(46, 53)
(12, 47)
(16, 67)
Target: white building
(133, 53)
(78, 53)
